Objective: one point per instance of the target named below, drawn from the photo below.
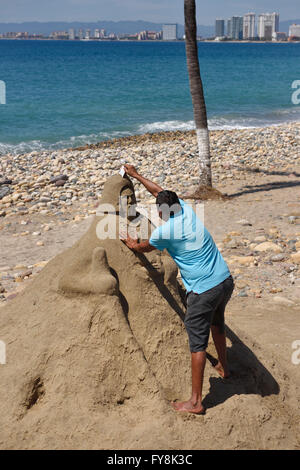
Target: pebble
(295, 258)
(275, 290)
(242, 293)
(55, 179)
(243, 260)
(283, 300)
(268, 246)
(292, 219)
(244, 222)
(4, 192)
(279, 257)
(5, 181)
(60, 183)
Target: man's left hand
(129, 242)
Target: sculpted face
(116, 187)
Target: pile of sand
(96, 349)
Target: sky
(158, 11)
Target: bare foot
(221, 372)
(189, 407)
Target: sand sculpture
(96, 349)
(99, 324)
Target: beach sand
(258, 232)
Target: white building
(268, 23)
(249, 26)
(96, 33)
(294, 31)
(229, 28)
(72, 34)
(170, 32)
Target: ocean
(68, 93)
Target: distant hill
(118, 27)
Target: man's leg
(200, 308)
(220, 344)
(218, 329)
(194, 405)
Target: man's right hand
(152, 187)
(131, 170)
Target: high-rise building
(220, 28)
(237, 27)
(96, 33)
(249, 26)
(80, 33)
(87, 34)
(170, 32)
(229, 28)
(72, 34)
(294, 31)
(268, 23)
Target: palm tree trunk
(196, 88)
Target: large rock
(4, 191)
(295, 258)
(268, 246)
(243, 260)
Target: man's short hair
(169, 199)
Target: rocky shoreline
(46, 198)
(71, 180)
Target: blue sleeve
(157, 240)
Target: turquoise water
(65, 94)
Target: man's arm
(142, 247)
(152, 187)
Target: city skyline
(247, 27)
(164, 11)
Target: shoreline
(164, 136)
(55, 181)
(66, 184)
(92, 40)
(159, 136)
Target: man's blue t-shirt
(184, 236)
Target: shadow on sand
(248, 374)
(267, 186)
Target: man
(204, 273)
